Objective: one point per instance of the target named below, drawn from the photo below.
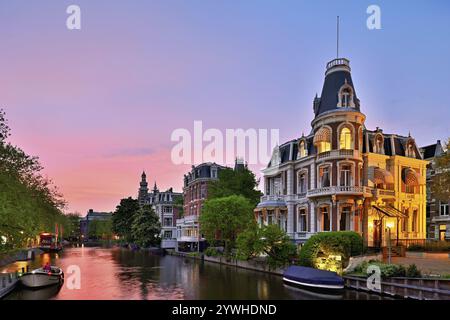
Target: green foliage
(178, 203)
(343, 243)
(440, 182)
(413, 272)
(431, 246)
(270, 241)
(146, 228)
(389, 270)
(123, 218)
(100, 229)
(29, 202)
(212, 252)
(224, 218)
(236, 182)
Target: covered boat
(311, 278)
(40, 278)
(48, 242)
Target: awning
(323, 135)
(411, 177)
(271, 204)
(390, 212)
(382, 176)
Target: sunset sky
(98, 105)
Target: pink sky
(99, 105)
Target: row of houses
(340, 176)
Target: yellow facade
(411, 201)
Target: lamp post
(389, 225)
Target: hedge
(343, 243)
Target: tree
(224, 218)
(270, 241)
(236, 182)
(29, 202)
(146, 228)
(123, 218)
(440, 182)
(100, 229)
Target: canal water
(115, 273)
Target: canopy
(411, 177)
(382, 176)
(390, 212)
(322, 135)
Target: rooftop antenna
(337, 38)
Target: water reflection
(124, 274)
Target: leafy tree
(146, 228)
(73, 226)
(270, 241)
(236, 182)
(123, 218)
(178, 203)
(100, 229)
(224, 218)
(440, 182)
(29, 202)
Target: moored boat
(49, 242)
(41, 278)
(313, 279)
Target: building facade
(343, 176)
(92, 216)
(164, 203)
(438, 218)
(195, 193)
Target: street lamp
(389, 226)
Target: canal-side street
(113, 273)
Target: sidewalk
(427, 266)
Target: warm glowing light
(389, 224)
(345, 141)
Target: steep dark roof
(334, 80)
(429, 151)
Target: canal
(114, 273)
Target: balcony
(383, 193)
(193, 219)
(343, 190)
(442, 218)
(339, 154)
(272, 198)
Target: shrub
(343, 243)
(389, 270)
(431, 246)
(212, 252)
(413, 272)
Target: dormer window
(302, 149)
(378, 145)
(410, 150)
(346, 96)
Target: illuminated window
(324, 146)
(345, 139)
(302, 149)
(378, 145)
(414, 221)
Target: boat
(313, 279)
(49, 242)
(39, 278)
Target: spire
(155, 188)
(337, 38)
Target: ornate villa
(343, 176)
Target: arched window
(322, 140)
(346, 96)
(345, 139)
(302, 149)
(378, 145)
(410, 150)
